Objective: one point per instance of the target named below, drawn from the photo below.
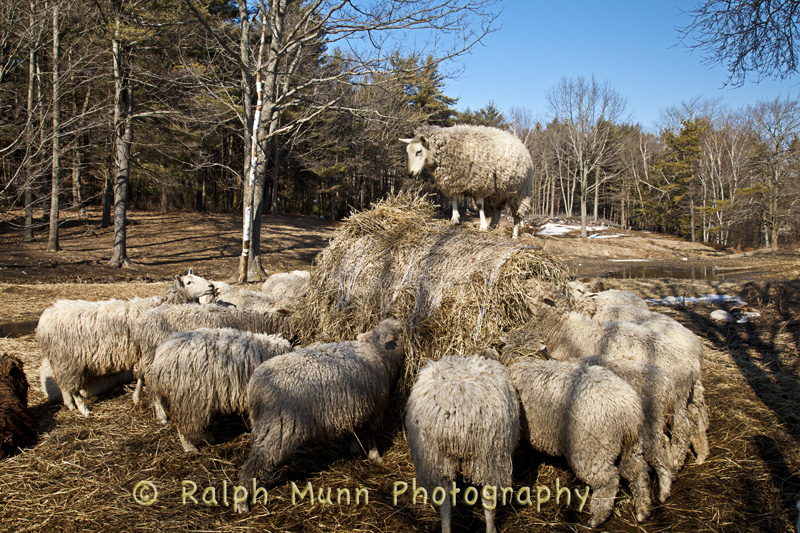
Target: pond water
(694, 272)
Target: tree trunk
(107, 196)
(123, 136)
(52, 242)
(29, 167)
(596, 193)
(249, 186)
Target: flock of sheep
(604, 382)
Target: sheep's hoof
(642, 514)
(188, 445)
(375, 457)
(80, 403)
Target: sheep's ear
(191, 272)
(407, 141)
(178, 280)
(390, 341)
(549, 301)
(423, 140)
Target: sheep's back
(330, 388)
(464, 410)
(479, 161)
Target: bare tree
(52, 242)
(747, 36)
(777, 125)
(368, 36)
(586, 108)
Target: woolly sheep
(571, 335)
(591, 417)
(625, 306)
(287, 288)
(222, 293)
(488, 164)
(198, 374)
(94, 387)
(463, 415)
(155, 325)
(657, 393)
(84, 341)
(17, 425)
(321, 392)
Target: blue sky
(634, 45)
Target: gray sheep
(287, 288)
(571, 335)
(488, 164)
(85, 341)
(321, 392)
(155, 325)
(463, 416)
(591, 417)
(624, 306)
(196, 375)
(94, 387)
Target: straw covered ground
(85, 474)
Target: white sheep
(592, 418)
(571, 335)
(88, 344)
(488, 164)
(198, 374)
(155, 325)
(94, 387)
(287, 288)
(463, 416)
(321, 392)
(623, 306)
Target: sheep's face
(387, 335)
(419, 155)
(197, 288)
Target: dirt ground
(82, 474)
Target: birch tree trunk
(250, 183)
(52, 242)
(123, 136)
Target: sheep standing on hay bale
(463, 416)
(321, 392)
(154, 326)
(84, 341)
(17, 426)
(591, 417)
(199, 374)
(488, 164)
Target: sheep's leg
(484, 224)
(137, 392)
(456, 218)
(68, 402)
(681, 435)
(698, 414)
(444, 514)
(187, 443)
(663, 462)
(603, 477)
(161, 410)
(488, 514)
(633, 467)
(80, 404)
(515, 233)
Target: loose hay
(456, 290)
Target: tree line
(297, 106)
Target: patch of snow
(703, 299)
(552, 229)
(606, 235)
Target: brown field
(81, 474)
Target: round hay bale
(456, 291)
